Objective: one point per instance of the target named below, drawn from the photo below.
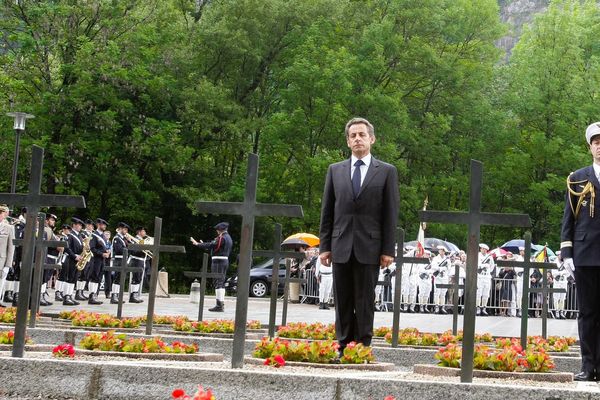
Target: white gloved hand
(569, 266)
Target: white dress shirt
(363, 168)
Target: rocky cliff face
(516, 13)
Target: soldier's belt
(220, 258)
(137, 258)
(52, 257)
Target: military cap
(101, 221)
(222, 226)
(51, 216)
(123, 225)
(65, 226)
(440, 247)
(4, 208)
(484, 246)
(89, 222)
(140, 228)
(591, 131)
(76, 220)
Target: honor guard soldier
(560, 282)
(61, 280)
(14, 272)
(138, 260)
(7, 248)
(100, 250)
(83, 277)
(51, 258)
(73, 251)
(220, 248)
(580, 250)
(485, 270)
(119, 243)
(441, 268)
(425, 272)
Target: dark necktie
(356, 177)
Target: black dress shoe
(584, 376)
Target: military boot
(80, 296)
(58, 296)
(220, 307)
(114, 298)
(133, 298)
(93, 299)
(68, 301)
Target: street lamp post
(19, 127)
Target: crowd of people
(84, 261)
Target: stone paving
(258, 309)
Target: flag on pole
(420, 251)
(542, 256)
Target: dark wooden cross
(249, 209)
(286, 286)
(277, 255)
(203, 275)
(123, 269)
(33, 200)
(41, 248)
(455, 286)
(527, 265)
(400, 262)
(156, 248)
(474, 219)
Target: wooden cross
(527, 265)
(400, 262)
(33, 200)
(41, 248)
(203, 275)
(249, 209)
(474, 219)
(156, 248)
(122, 269)
(455, 286)
(277, 255)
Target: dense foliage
(145, 107)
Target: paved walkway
(258, 309)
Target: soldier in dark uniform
(220, 248)
(51, 258)
(119, 243)
(100, 252)
(580, 250)
(138, 260)
(73, 251)
(84, 275)
(14, 274)
(61, 280)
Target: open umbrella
(499, 252)
(294, 243)
(433, 243)
(513, 247)
(308, 238)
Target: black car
(260, 285)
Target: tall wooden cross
(277, 255)
(33, 200)
(156, 248)
(400, 262)
(41, 248)
(474, 219)
(203, 275)
(249, 209)
(527, 265)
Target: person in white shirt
(519, 281)
(441, 270)
(324, 276)
(425, 272)
(560, 282)
(485, 270)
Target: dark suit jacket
(580, 236)
(367, 224)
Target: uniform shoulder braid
(573, 184)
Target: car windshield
(269, 264)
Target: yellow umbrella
(309, 238)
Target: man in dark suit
(358, 221)
(580, 250)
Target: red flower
(267, 361)
(389, 398)
(178, 393)
(64, 350)
(279, 360)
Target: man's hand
(106, 255)
(569, 266)
(385, 261)
(325, 258)
(77, 257)
(194, 242)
